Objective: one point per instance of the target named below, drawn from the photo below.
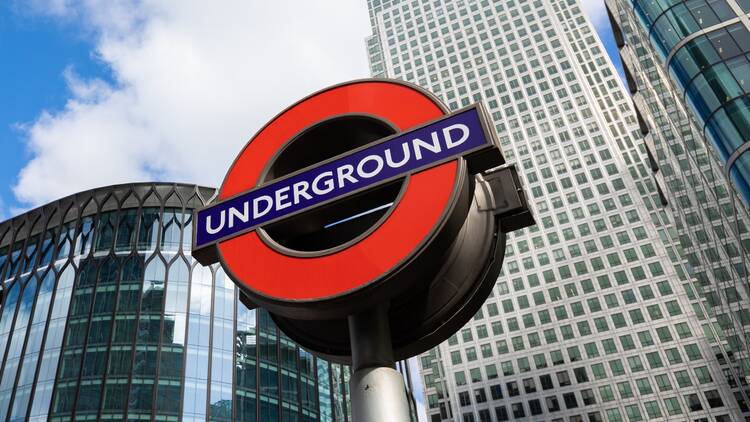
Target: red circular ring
(276, 276)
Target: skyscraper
(104, 315)
(595, 317)
(687, 68)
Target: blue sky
(143, 90)
(35, 52)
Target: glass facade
(689, 156)
(106, 316)
(598, 314)
(705, 45)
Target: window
(574, 354)
(714, 399)
(502, 347)
(616, 367)
(646, 292)
(599, 371)
(662, 381)
(652, 409)
(645, 338)
(557, 357)
(644, 386)
(464, 399)
(486, 350)
(484, 416)
(654, 361)
(673, 356)
(703, 375)
(550, 336)
(664, 288)
(693, 402)
(563, 378)
(683, 379)
(591, 350)
(466, 334)
(546, 381)
(683, 330)
(570, 400)
(636, 315)
(518, 411)
(529, 386)
(613, 415)
(512, 388)
(480, 396)
(609, 346)
(491, 371)
(460, 378)
(581, 375)
(664, 334)
(634, 413)
(693, 352)
(501, 413)
(673, 308)
(540, 361)
(594, 304)
(673, 406)
(507, 368)
(588, 397)
(627, 342)
(606, 393)
(552, 404)
(523, 365)
(535, 407)
(476, 375)
(654, 312)
(482, 331)
(625, 390)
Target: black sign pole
(377, 389)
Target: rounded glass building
(705, 46)
(105, 315)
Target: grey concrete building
(595, 317)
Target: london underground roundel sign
(359, 195)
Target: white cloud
(192, 82)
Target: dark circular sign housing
(364, 194)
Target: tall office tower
(594, 317)
(104, 315)
(688, 70)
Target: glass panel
(245, 363)
(199, 328)
(170, 234)
(53, 341)
(18, 337)
(126, 231)
(149, 229)
(324, 391)
(34, 344)
(173, 341)
(105, 231)
(222, 348)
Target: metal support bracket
(506, 198)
